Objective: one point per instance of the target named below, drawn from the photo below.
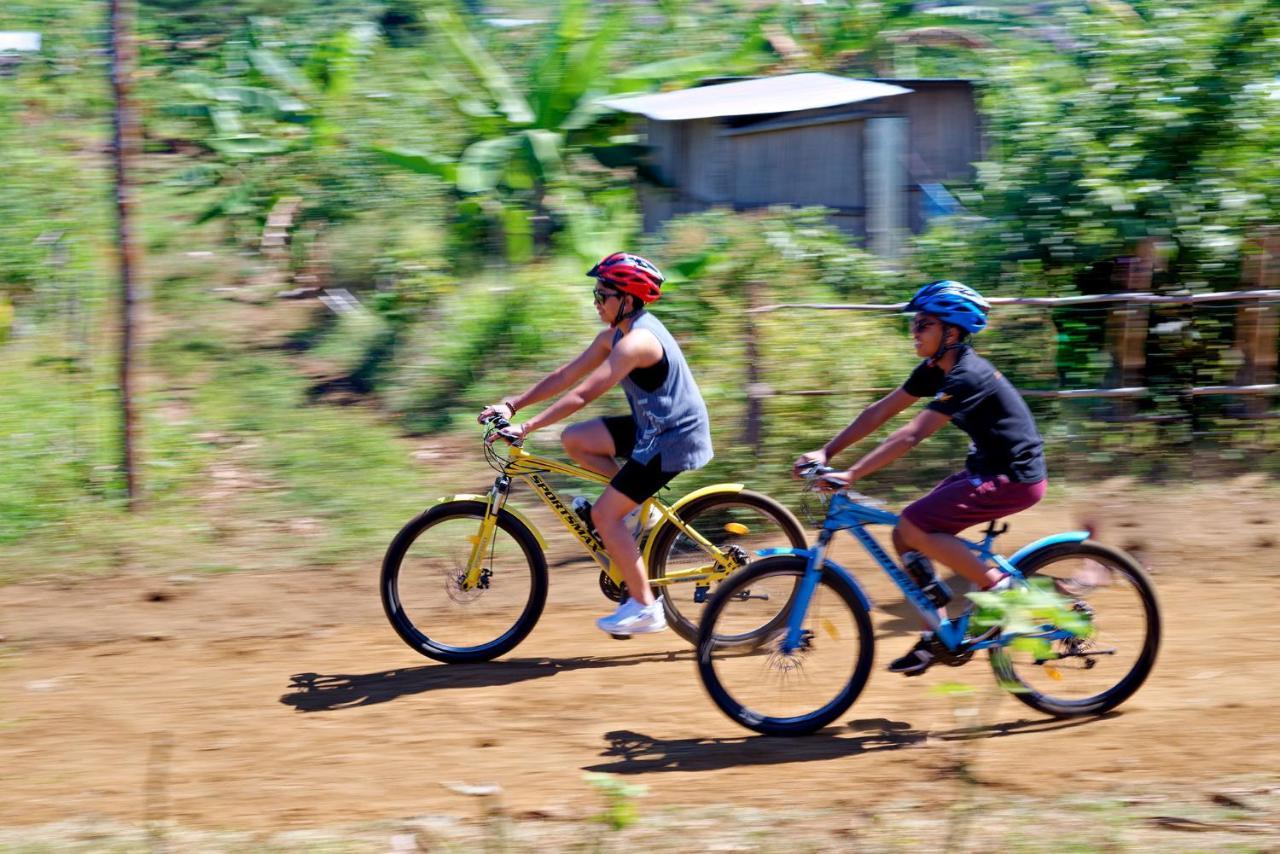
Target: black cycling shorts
(638, 481)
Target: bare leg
(607, 513)
(589, 444)
(946, 550)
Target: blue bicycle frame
(846, 513)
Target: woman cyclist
(1005, 471)
(667, 432)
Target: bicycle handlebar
(495, 424)
(813, 473)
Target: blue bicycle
(814, 657)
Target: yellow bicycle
(466, 580)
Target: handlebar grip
(814, 470)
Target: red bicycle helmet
(630, 274)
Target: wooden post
(753, 428)
(1127, 325)
(1256, 321)
(125, 149)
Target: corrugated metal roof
(784, 94)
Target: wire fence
(1132, 383)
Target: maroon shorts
(965, 499)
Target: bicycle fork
(795, 638)
(483, 541)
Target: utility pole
(125, 150)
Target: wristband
(509, 405)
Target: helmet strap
(623, 312)
(944, 347)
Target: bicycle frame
(844, 513)
(531, 468)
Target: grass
(1006, 823)
(240, 470)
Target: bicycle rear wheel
(1093, 674)
(424, 596)
(758, 685)
(738, 523)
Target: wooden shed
(877, 152)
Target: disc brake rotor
(455, 586)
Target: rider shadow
(317, 692)
(637, 753)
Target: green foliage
(1027, 610)
(1153, 128)
(620, 800)
(510, 167)
(272, 124)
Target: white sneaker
(632, 618)
(638, 526)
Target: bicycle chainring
(613, 592)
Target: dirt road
(284, 700)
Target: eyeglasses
(600, 296)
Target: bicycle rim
(771, 691)
(1094, 673)
(431, 603)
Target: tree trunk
(124, 150)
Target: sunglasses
(602, 295)
(922, 324)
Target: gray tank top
(671, 420)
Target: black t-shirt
(985, 405)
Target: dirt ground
(284, 700)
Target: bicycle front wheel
(427, 599)
(736, 523)
(1092, 674)
(756, 682)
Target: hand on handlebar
(821, 478)
(512, 434)
(833, 481)
(805, 463)
(496, 410)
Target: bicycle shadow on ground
(637, 753)
(899, 617)
(318, 692)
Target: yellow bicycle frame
(530, 468)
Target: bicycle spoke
(763, 684)
(448, 607)
(1096, 671)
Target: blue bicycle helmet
(953, 303)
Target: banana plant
(261, 113)
(512, 169)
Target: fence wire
(1146, 385)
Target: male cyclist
(1005, 471)
(667, 432)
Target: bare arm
(867, 422)
(559, 379)
(633, 351)
(899, 442)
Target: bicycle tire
(666, 535)
(1117, 562)
(709, 644)
(421, 641)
